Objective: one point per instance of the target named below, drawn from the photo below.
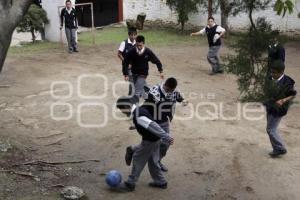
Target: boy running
(139, 59)
(124, 48)
(279, 92)
(214, 33)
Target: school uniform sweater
(147, 127)
(140, 63)
(161, 105)
(69, 18)
(276, 90)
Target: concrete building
(112, 11)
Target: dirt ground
(212, 159)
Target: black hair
(140, 38)
(132, 31)
(211, 18)
(278, 65)
(171, 83)
(68, 1)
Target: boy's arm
(121, 50)
(201, 32)
(154, 59)
(62, 18)
(127, 60)
(221, 30)
(154, 128)
(291, 94)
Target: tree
(11, 13)
(250, 61)
(33, 21)
(183, 8)
(281, 7)
(249, 6)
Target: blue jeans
(275, 139)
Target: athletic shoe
(128, 155)
(163, 167)
(132, 128)
(159, 185)
(129, 186)
(277, 153)
(75, 50)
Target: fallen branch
(41, 162)
(48, 136)
(4, 86)
(19, 173)
(56, 142)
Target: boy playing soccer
(279, 92)
(124, 48)
(148, 150)
(214, 33)
(139, 59)
(161, 102)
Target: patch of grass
(165, 37)
(32, 48)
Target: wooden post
(209, 8)
(120, 10)
(93, 24)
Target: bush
(34, 21)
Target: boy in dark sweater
(124, 48)
(160, 103)
(214, 33)
(139, 59)
(68, 16)
(279, 92)
(148, 150)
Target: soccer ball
(113, 178)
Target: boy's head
(210, 21)
(68, 4)
(276, 37)
(277, 69)
(132, 34)
(140, 42)
(170, 85)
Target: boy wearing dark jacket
(139, 59)
(147, 152)
(279, 92)
(68, 16)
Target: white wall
(157, 9)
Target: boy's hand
(162, 75)
(126, 78)
(171, 141)
(185, 102)
(280, 102)
(192, 34)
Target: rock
(5, 146)
(72, 192)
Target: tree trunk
(11, 13)
(210, 10)
(224, 14)
(182, 26)
(33, 35)
(251, 19)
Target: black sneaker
(75, 50)
(129, 186)
(159, 185)
(277, 153)
(220, 71)
(128, 155)
(131, 128)
(163, 167)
